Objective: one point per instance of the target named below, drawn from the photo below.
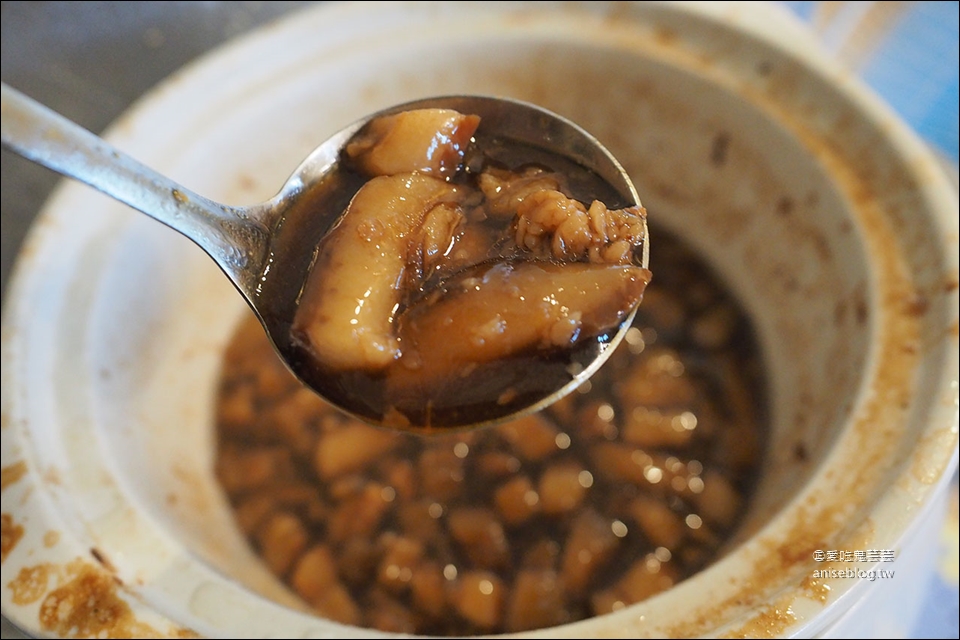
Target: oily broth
(615, 493)
(490, 391)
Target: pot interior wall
(710, 168)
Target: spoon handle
(230, 235)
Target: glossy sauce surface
(404, 271)
(617, 492)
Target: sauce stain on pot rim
(933, 448)
(888, 397)
(879, 418)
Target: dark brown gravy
(620, 490)
(491, 390)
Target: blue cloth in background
(907, 51)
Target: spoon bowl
(248, 245)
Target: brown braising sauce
(615, 493)
(467, 277)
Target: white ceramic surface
(820, 209)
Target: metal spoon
(240, 239)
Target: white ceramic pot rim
(788, 602)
